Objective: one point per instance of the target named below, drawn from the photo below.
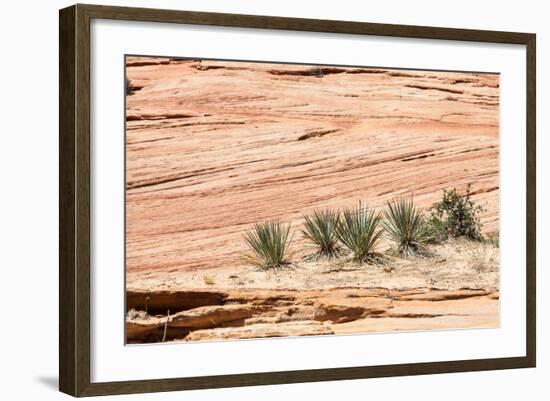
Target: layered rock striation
(213, 147)
(239, 314)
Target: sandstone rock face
(214, 147)
(211, 316)
(139, 330)
(163, 301)
(280, 313)
(289, 329)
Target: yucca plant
(406, 227)
(359, 230)
(320, 230)
(268, 244)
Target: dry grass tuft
(208, 280)
(134, 314)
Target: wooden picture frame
(74, 200)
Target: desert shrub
(359, 230)
(458, 215)
(268, 245)
(435, 228)
(320, 230)
(481, 256)
(405, 226)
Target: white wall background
(29, 184)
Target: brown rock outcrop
(163, 301)
(212, 316)
(339, 313)
(275, 313)
(287, 329)
(140, 330)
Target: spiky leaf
(406, 227)
(268, 244)
(359, 231)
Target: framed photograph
(249, 200)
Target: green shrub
(405, 225)
(458, 214)
(268, 245)
(358, 230)
(435, 229)
(320, 230)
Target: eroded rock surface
(276, 313)
(214, 147)
(288, 329)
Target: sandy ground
(456, 287)
(453, 265)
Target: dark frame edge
(531, 201)
(300, 24)
(302, 376)
(74, 201)
(67, 266)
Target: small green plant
(320, 230)
(435, 228)
(494, 239)
(359, 231)
(268, 245)
(458, 214)
(406, 227)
